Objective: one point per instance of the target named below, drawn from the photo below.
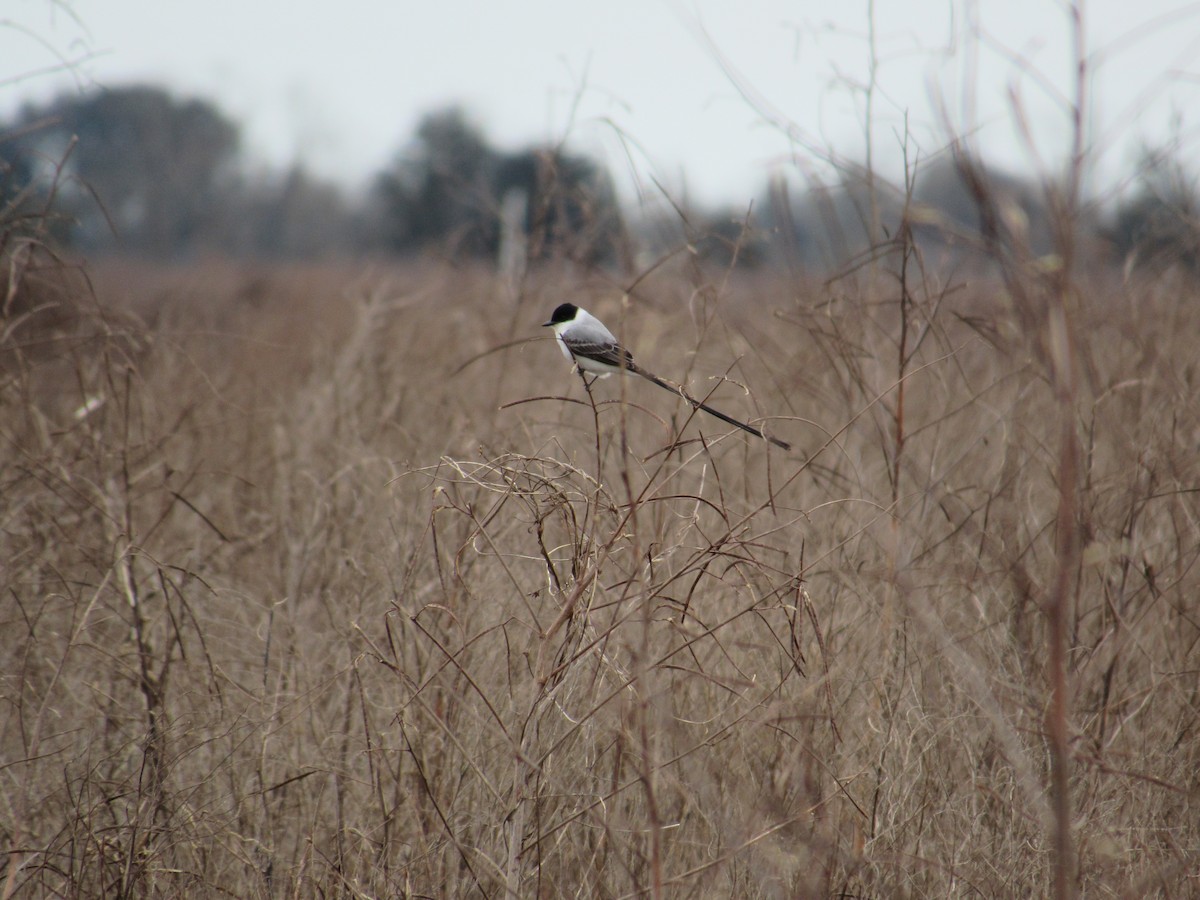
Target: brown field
(331, 582)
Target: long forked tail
(678, 390)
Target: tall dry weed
(328, 583)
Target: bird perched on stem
(594, 350)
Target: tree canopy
(134, 168)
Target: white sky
(639, 83)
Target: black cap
(564, 313)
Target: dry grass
(320, 585)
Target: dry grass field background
(332, 582)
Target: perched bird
(593, 348)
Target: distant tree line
(831, 226)
(138, 170)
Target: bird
(594, 350)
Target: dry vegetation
(326, 583)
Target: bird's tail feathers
(696, 404)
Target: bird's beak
(547, 324)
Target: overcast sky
(711, 95)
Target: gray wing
(608, 352)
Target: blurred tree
(438, 190)
(571, 208)
(1160, 223)
(25, 207)
(450, 189)
(145, 172)
(955, 187)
